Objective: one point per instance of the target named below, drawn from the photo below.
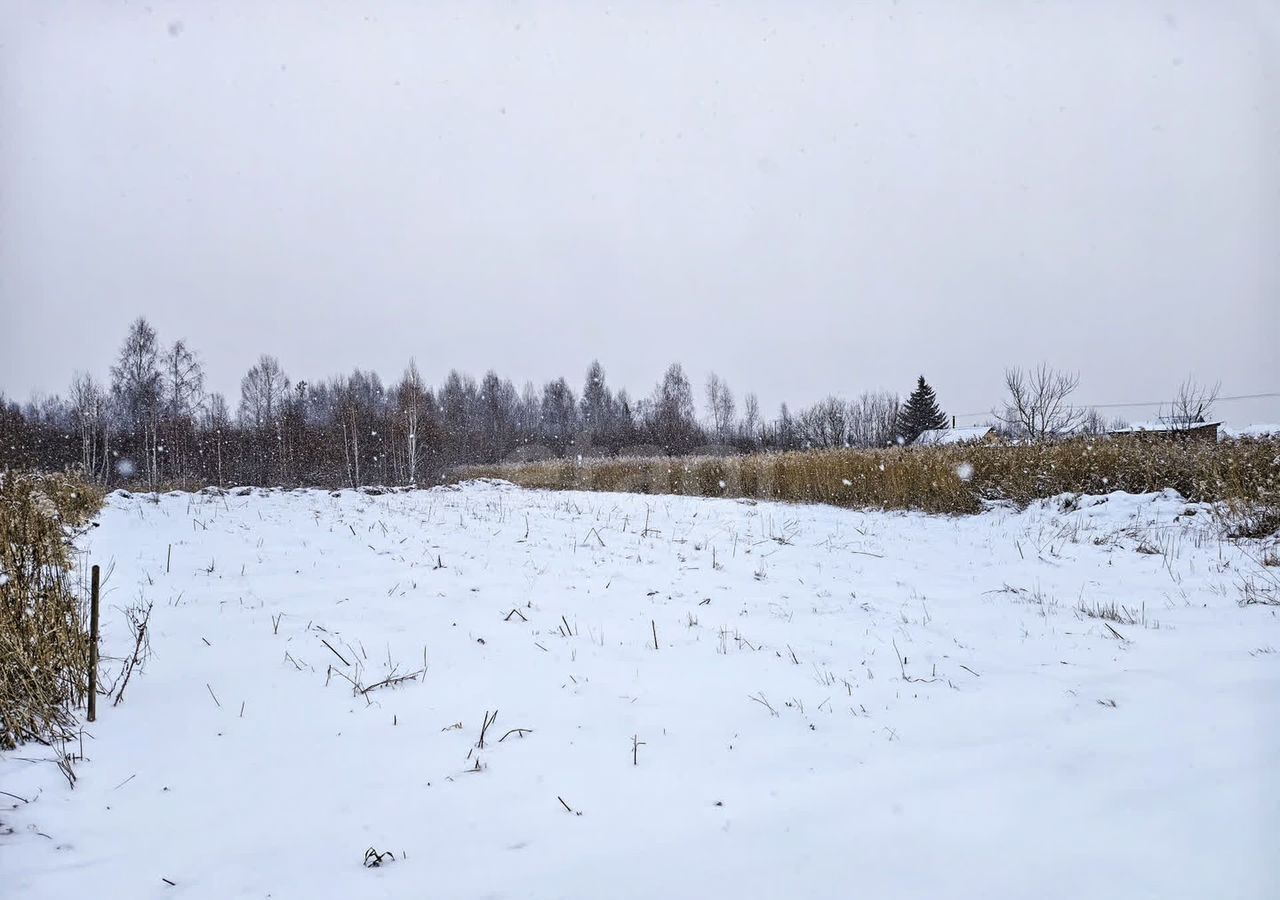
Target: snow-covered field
(839, 704)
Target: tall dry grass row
(44, 645)
(956, 479)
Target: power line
(1264, 396)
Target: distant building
(944, 437)
(1172, 428)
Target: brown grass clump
(954, 479)
(44, 645)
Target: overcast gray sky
(804, 197)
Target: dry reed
(44, 645)
(955, 479)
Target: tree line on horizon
(153, 421)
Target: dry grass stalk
(44, 643)
(948, 479)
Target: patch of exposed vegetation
(949, 479)
(44, 642)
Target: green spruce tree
(921, 413)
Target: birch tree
(410, 397)
(720, 407)
(89, 412)
(262, 397)
(136, 388)
(182, 379)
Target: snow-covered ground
(840, 704)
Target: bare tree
(459, 401)
(783, 435)
(598, 408)
(411, 401)
(360, 401)
(496, 412)
(623, 431)
(136, 388)
(559, 415)
(873, 419)
(825, 424)
(182, 378)
(1193, 403)
(670, 415)
(1039, 405)
(751, 418)
(89, 410)
(720, 407)
(183, 381)
(217, 424)
(1093, 423)
(262, 392)
(528, 413)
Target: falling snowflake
(964, 471)
(847, 482)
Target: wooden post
(93, 646)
